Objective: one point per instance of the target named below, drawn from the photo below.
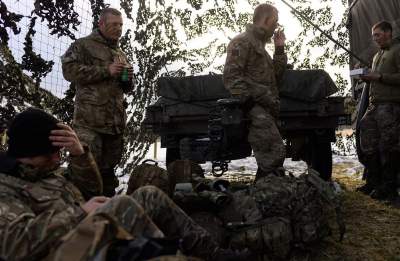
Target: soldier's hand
(116, 68)
(130, 72)
(65, 137)
(279, 38)
(94, 203)
(372, 76)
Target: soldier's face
(46, 162)
(381, 38)
(111, 27)
(271, 23)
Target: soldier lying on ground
(43, 214)
(272, 217)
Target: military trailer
(197, 119)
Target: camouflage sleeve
(280, 62)
(25, 235)
(234, 73)
(75, 70)
(393, 78)
(235, 67)
(85, 175)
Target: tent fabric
(364, 14)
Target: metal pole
(299, 14)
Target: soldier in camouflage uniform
(251, 75)
(380, 126)
(42, 206)
(93, 65)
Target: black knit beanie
(28, 134)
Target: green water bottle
(124, 75)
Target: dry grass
(373, 228)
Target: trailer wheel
(172, 155)
(320, 159)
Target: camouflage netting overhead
(163, 38)
(35, 33)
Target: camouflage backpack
(148, 173)
(292, 212)
(305, 200)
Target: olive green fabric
(387, 63)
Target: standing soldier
(380, 126)
(251, 75)
(101, 73)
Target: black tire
(321, 158)
(172, 155)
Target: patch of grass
(373, 227)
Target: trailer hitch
(219, 167)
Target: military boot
(390, 168)
(279, 172)
(260, 173)
(372, 174)
(368, 187)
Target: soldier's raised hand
(130, 72)
(116, 68)
(65, 137)
(279, 37)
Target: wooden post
(155, 149)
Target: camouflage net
(162, 37)
(34, 34)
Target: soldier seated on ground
(44, 214)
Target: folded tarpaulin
(303, 85)
(192, 88)
(307, 85)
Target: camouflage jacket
(36, 209)
(386, 62)
(99, 101)
(250, 72)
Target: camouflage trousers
(265, 140)
(147, 212)
(107, 151)
(380, 143)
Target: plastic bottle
(124, 75)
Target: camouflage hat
(149, 173)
